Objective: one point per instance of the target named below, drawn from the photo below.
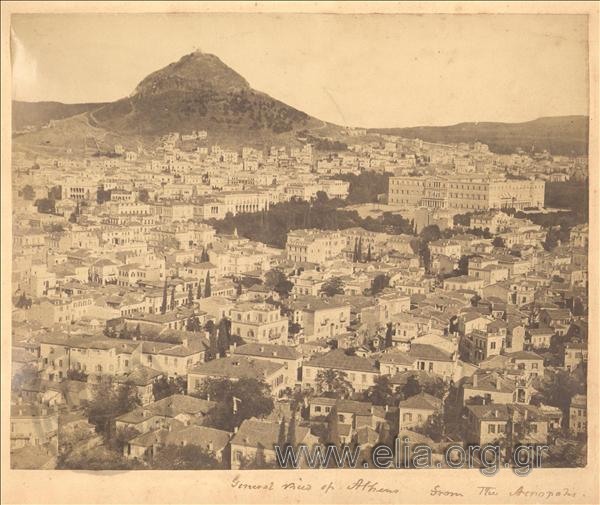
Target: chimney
(498, 385)
(474, 380)
(387, 408)
(235, 429)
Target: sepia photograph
(353, 243)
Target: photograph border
(326, 486)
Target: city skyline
(539, 68)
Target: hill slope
(37, 114)
(198, 92)
(559, 135)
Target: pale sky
(360, 70)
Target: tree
(381, 392)
(26, 374)
(55, 193)
(102, 195)
(380, 282)
(359, 250)
(498, 242)
(412, 387)
(333, 382)
(187, 457)
(163, 306)
(46, 206)
(431, 233)
(277, 281)
(436, 387)
(199, 291)
(207, 287)
(28, 192)
(164, 387)
(389, 335)
(291, 437)
(143, 195)
(204, 256)
(137, 333)
(281, 437)
(172, 302)
(23, 302)
(369, 253)
(433, 427)
(252, 398)
(76, 375)
(425, 254)
(333, 286)
(190, 300)
(332, 436)
(108, 402)
(223, 335)
(97, 458)
(193, 324)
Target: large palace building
(465, 192)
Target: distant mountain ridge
(200, 92)
(559, 135)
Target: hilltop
(198, 92)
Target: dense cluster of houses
(138, 288)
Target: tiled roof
(237, 367)
(338, 359)
(422, 401)
(429, 352)
(260, 433)
(199, 435)
(267, 351)
(171, 406)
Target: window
(317, 408)
(491, 428)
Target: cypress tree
(163, 306)
(291, 438)
(369, 253)
(281, 436)
(214, 344)
(359, 250)
(199, 291)
(172, 304)
(207, 288)
(333, 432)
